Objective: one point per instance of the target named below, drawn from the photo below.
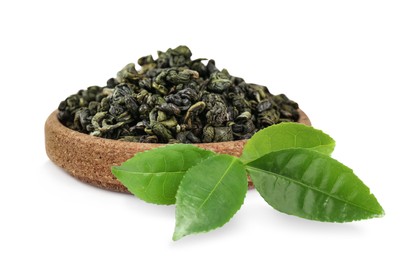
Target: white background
(349, 64)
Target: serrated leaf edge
(175, 236)
(375, 214)
(116, 168)
(315, 189)
(249, 141)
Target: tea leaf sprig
(289, 164)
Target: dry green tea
(175, 99)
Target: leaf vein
(218, 183)
(311, 187)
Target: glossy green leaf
(286, 135)
(154, 175)
(312, 185)
(209, 195)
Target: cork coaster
(89, 158)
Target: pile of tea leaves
(175, 99)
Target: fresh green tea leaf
(154, 175)
(312, 185)
(209, 195)
(286, 135)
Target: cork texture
(89, 158)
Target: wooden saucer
(89, 158)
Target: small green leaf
(286, 135)
(209, 195)
(154, 175)
(312, 185)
